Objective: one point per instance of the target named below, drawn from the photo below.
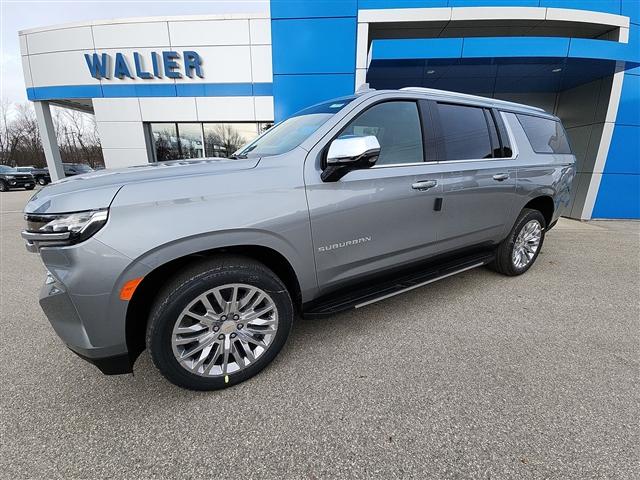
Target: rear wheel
(219, 324)
(42, 181)
(519, 250)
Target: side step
(361, 296)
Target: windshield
(5, 169)
(287, 135)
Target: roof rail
(433, 91)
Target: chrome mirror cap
(352, 149)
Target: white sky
(18, 15)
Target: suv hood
(97, 189)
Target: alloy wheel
(526, 244)
(224, 330)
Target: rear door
(478, 170)
(381, 217)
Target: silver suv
(347, 203)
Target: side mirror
(350, 153)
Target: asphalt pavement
(475, 376)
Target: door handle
(500, 176)
(424, 185)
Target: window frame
(422, 110)
(148, 130)
(489, 113)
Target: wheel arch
(139, 306)
(545, 205)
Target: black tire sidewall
(4, 186)
(163, 318)
(525, 217)
(41, 181)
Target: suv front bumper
(79, 301)
(63, 316)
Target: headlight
(63, 229)
(9, 177)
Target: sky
(16, 15)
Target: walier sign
(168, 63)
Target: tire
(30, 187)
(42, 181)
(170, 329)
(509, 262)
(4, 186)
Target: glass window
(190, 138)
(165, 141)
(544, 134)
(222, 139)
(464, 132)
(397, 127)
(290, 133)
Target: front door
(381, 217)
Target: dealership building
(200, 86)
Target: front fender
(302, 266)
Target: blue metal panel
(141, 90)
(629, 108)
(515, 47)
(150, 90)
(313, 8)
(417, 48)
(214, 89)
(618, 197)
(631, 9)
(65, 91)
(318, 45)
(587, 48)
(624, 156)
(294, 92)
(609, 6)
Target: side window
(397, 127)
(464, 133)
(544, 134)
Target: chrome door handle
(500, 176)
(424, 185)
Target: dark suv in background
(12, 178)
(42, 176)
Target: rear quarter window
(544, 134)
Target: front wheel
(218, 324)
(30, 187)
(519, 250)
(4, 186)
(42, 181)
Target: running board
(365, 295)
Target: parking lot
(476, 376)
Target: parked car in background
(71, 169)
(346, 203)
(12, 178)
(41, 175)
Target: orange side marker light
(127, 290)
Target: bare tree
(21, 144)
